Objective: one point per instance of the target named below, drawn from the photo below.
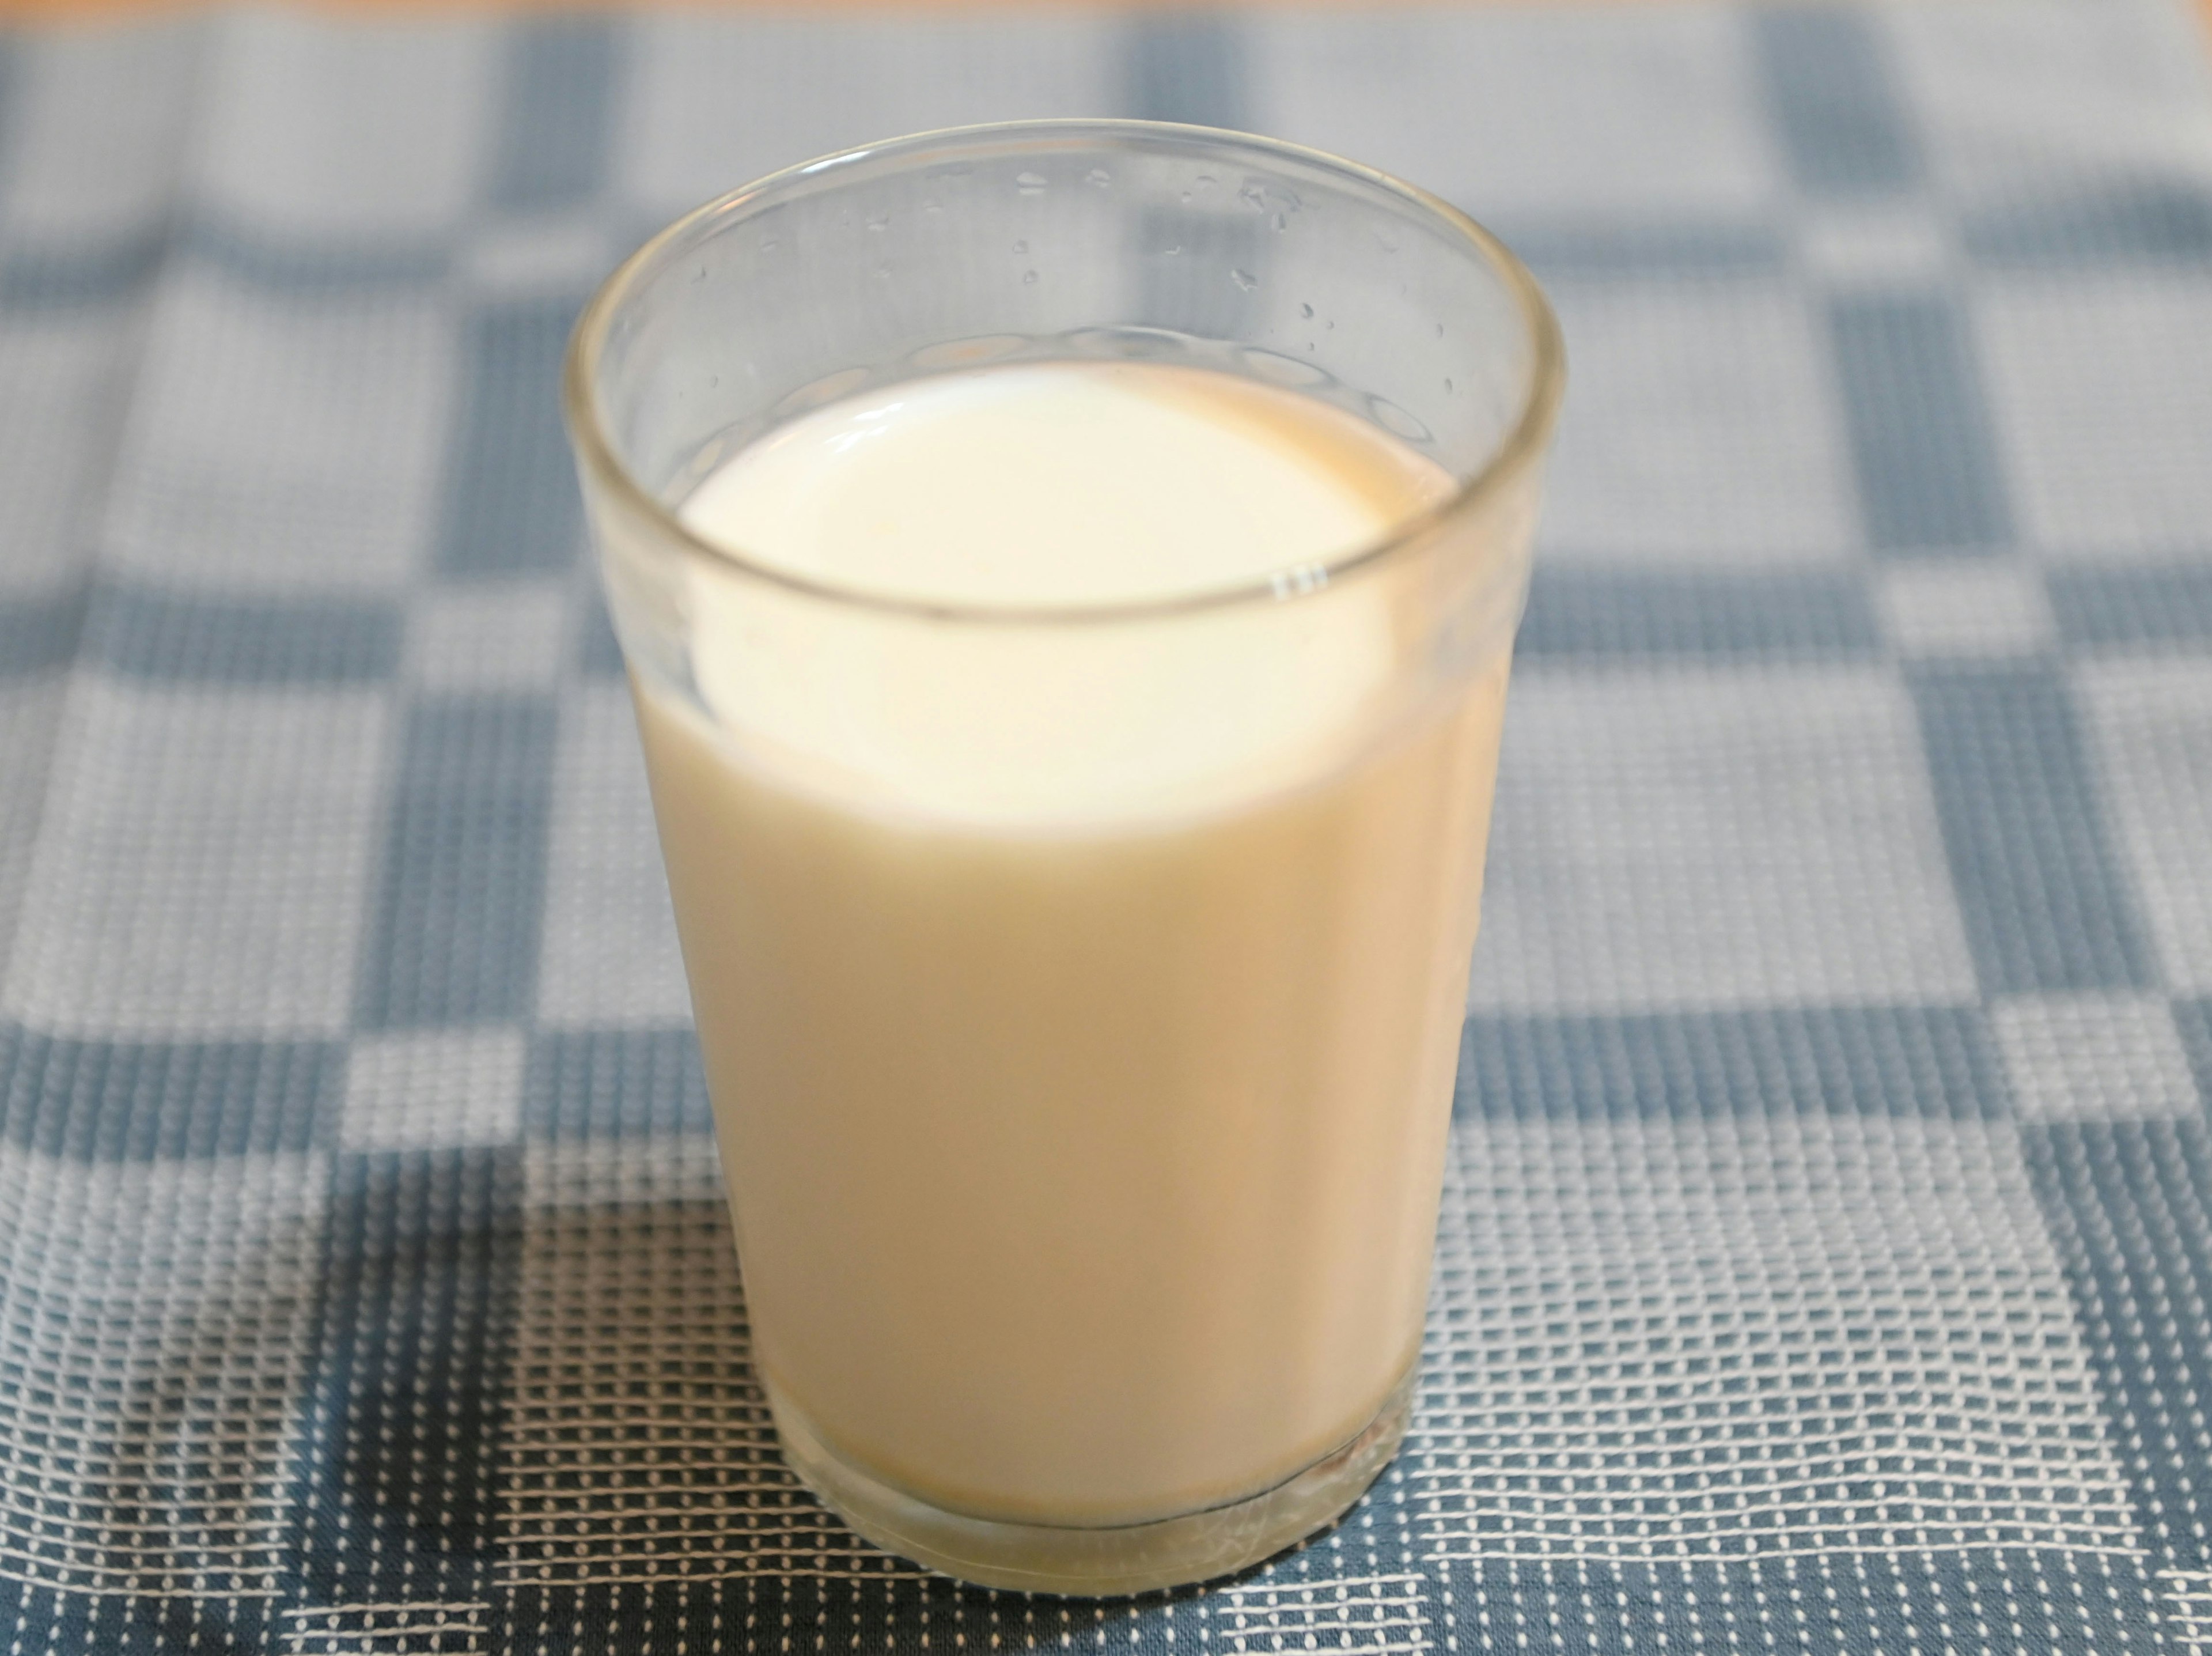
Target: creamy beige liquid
(1079, 1007)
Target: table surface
(54, 9)
(63, 9)
(1826, 1261)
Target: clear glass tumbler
(1084, 1122)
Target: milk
(1079, 1000)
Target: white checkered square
(716, 98)
(203, 863)
(2102, 386)
(65, 373)
(1972, 607)
(30, 713)
(284, 444)
(1646, 113)
(1674, 387)
(2016, 98)
(610, 952)
(1750, 1337)
(1384, 1614)
(161, 1323)
(491, 636)
(2152, 725)
(1713, 839)
(638, 1446)
(433, 1089)
(2186, 1596)
(2094, 1057)
(96, 126)
(348, 130)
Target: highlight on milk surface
(1051, 484)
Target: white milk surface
(1079, 1003)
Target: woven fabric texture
(1825, 1263)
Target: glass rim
(1526, 433)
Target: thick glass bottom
(1094, 1562)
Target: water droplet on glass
(1029, 184)
(1186, 195)
(1029, 278)
(932, 206)
(1440, 330)
(882, 272)
(1282, 222)
(1306, 311)
(769, 246)
(1448, 387)
(1244, 279)
(1021, 246)
(1099, 176)
(880, 223)
(1206, 180)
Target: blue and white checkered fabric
(1826, 1262)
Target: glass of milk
(1068, 574)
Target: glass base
(1093, 1562)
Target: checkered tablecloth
(1826, 1254)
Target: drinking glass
(1082, 1123)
